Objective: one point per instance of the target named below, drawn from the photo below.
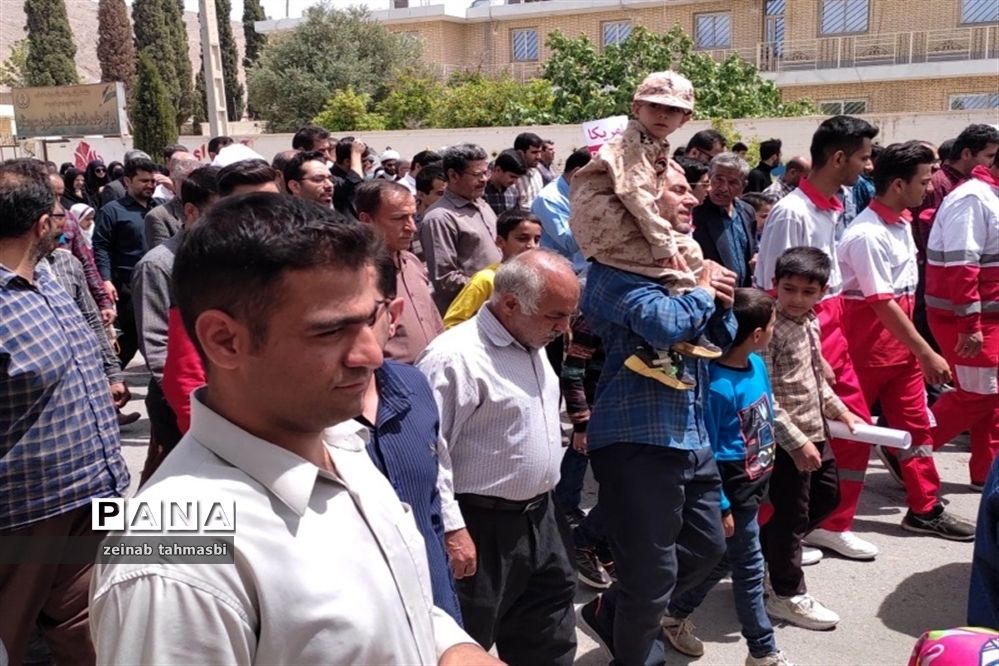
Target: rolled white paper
(868, 434)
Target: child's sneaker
(658, 365)
(773, 659)
(680, 633)
(699, 348)
(802, 610)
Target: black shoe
(891, 463)
(939, 523)
(606, 561)
(590, 571)
(701, 347)
(590, 614)
(655, 365)
(128, 419)
(574, 517)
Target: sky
(276, 8)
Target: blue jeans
(569, 491)
(744, 558)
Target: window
(525, 44)
(844, 16)
(979, 11)
(615, 32)
(843, 107)
(970, 101)
(713, 31)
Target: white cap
(236, 152)
(390, 155)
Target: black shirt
(759, 178)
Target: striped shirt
(499, 402)
(584, 359)
(59, 442)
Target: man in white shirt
(502, 444)
(282, 302)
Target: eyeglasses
(99, 169)
(478, 175)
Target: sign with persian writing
(98, 108)
(598, 132)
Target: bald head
(535, 295)
(58, 186)
(798, 167)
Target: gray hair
(458, 157)
(729, 161)
(524, 277)
(183, 168)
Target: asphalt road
(916, 583)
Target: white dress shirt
(409, 182)
(499, 403)
(329, 568)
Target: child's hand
(851, 420)
(677, 263)
(728, 524)
(807, 458)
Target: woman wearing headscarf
(96, 178)
(76, 188)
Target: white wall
(796, 134)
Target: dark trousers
(163, 431)
(128, 339)
(51, 597)
(520, 598)
(661, 511)
(801, 500)
(569, 491)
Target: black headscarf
(94, 182)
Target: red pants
(902, 393)
(974, 406)
(851, 457)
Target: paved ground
(917, 583)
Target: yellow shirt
(471, 297)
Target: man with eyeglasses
(458, 233)
(306, 176)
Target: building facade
(848, 56)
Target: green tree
(115, 45)
(51, 51)
(153, 120)
(160, 34)
(331, 50)
(473, 100)
(254, 42)
(14, 70)
(592, 84)
(200, 114)
(230, 61)
(347, 111)
(413, 100)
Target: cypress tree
(115, 48)
(153, 121)
(161, 35)
(230, 60)
(200, 98)
(50, 44)
(255, 42)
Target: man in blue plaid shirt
(59, 444)
(660, 491)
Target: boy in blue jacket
(740, 423)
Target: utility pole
(211, 53)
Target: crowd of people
(373, 357)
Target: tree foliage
(348, 110)
(14, 70)
(230, 60)
(160, 34)
(51, 51)
(589, 83)
(331, 50)
(252, 11)
(153, 121)
(115, 45)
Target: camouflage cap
(668, 89)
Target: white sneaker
(802, 610)
(810, 556)
(777, 658)
(846, 544)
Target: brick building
(852, 56)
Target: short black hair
(425, 158)
(681, 151)
(809, 263)
(839, 133)
(201, 186)
(25, 195)
(280, 161)
(293, 169)
(753, 309)
(739, 146)
(510, 161)
(758, 199)
(343, 148)
(527, 140)
(512, 218)
(235, 258)
(169, 151)
(769, 148)
(900, 160)
(369, 195)
(706, 139)
(133, 167)
(578, 159)
(307, 137)
(877, 149)
(217, 143)
(457, 157)
(975, 138)
(244, 172)
(428, 174)
(945, 149)
(693, 169)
